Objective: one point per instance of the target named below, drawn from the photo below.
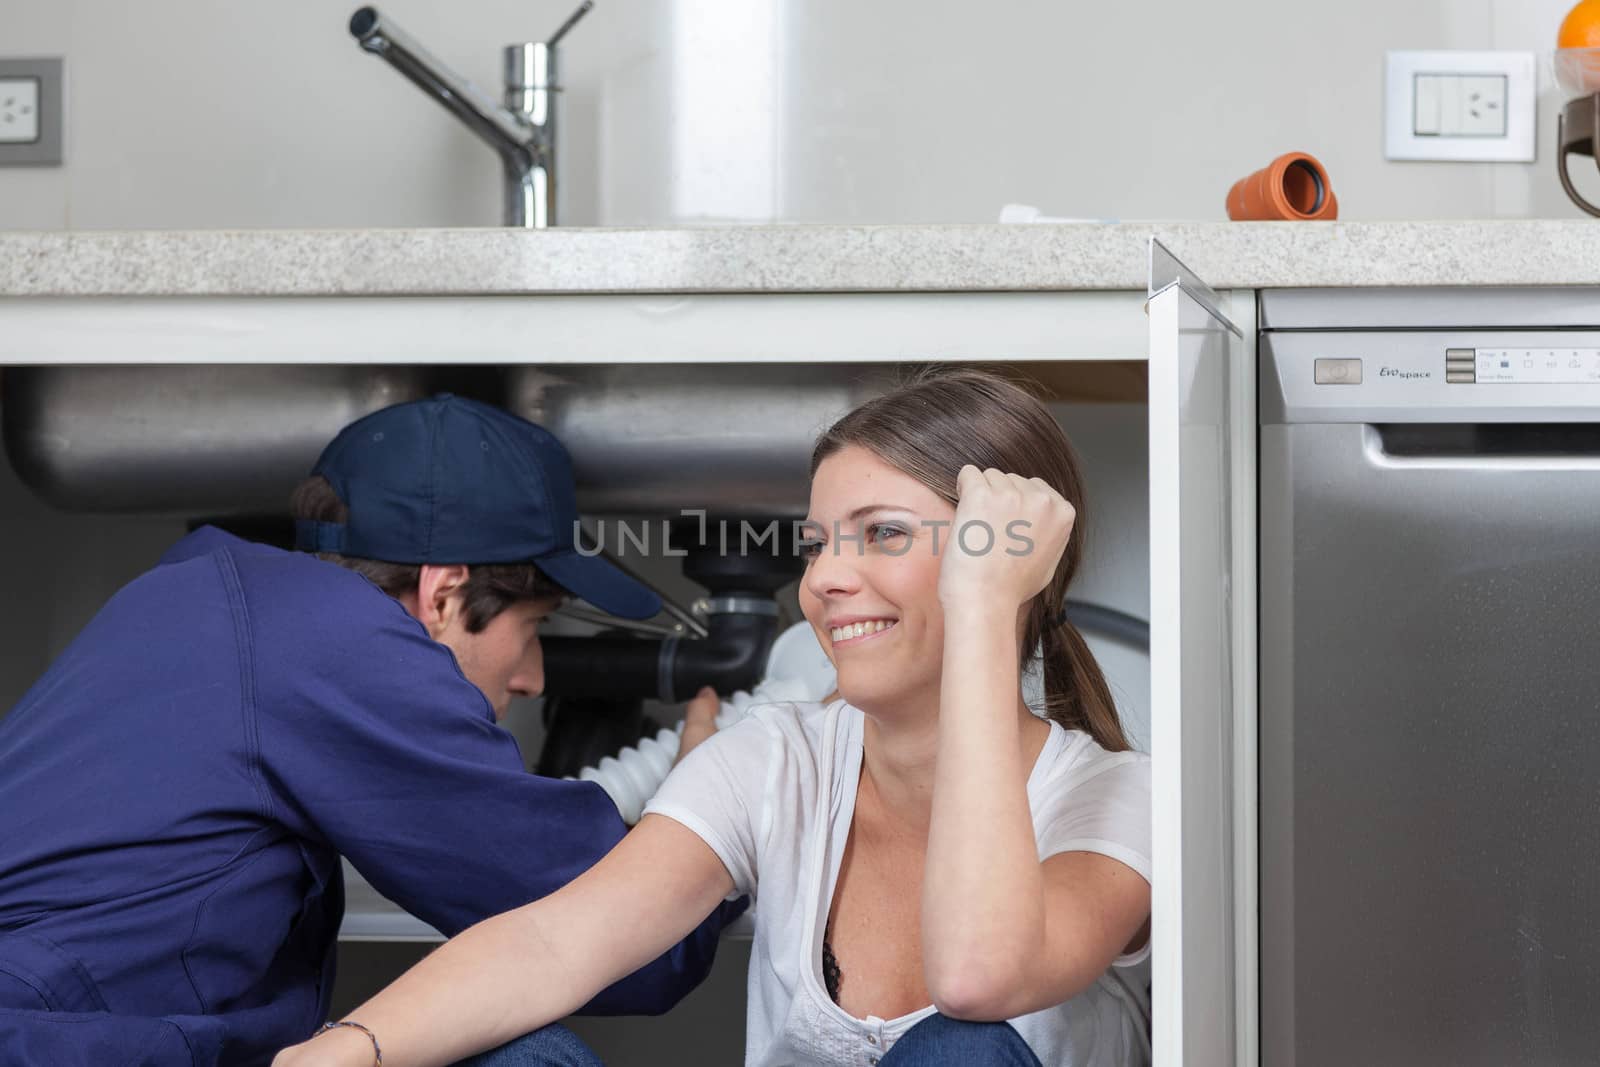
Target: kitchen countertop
(792, 258)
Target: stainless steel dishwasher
(1430, 677)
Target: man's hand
(699, 721)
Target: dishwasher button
(1338, 372)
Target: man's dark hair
(490, 588)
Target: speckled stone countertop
(792, 258)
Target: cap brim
(600, 583)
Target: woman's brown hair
(943, 418)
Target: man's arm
(371, 741)
(517, 972)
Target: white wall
(201, 114)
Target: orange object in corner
(1581, 27)
(1294, 186)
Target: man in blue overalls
(176, 791)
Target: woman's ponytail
(1076, 693)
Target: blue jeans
(940, 1041)
(553, 1046)
(937, 1041)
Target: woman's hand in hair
(1006, 539)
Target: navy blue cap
(450, 480)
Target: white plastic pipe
(797, 670)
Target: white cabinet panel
(1192, 635)
(605, 328)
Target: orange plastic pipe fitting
(1294, 186)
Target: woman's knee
(939, 1039)
(552, 1046)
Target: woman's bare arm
(518, 971)
(1002, 933)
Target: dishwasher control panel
(1419, 376)
(1522, 366)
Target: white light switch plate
(19, 110)
(30, 111)
(1465, 106)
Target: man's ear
(439, 596)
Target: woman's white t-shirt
(773, 796)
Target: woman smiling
(940, 875)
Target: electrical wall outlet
(30, 111)
(19, 110)
(1455, 105)
(1460, 106)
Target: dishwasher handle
(1497, 445)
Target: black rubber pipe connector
(731, 656)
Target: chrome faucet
(523, 131)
